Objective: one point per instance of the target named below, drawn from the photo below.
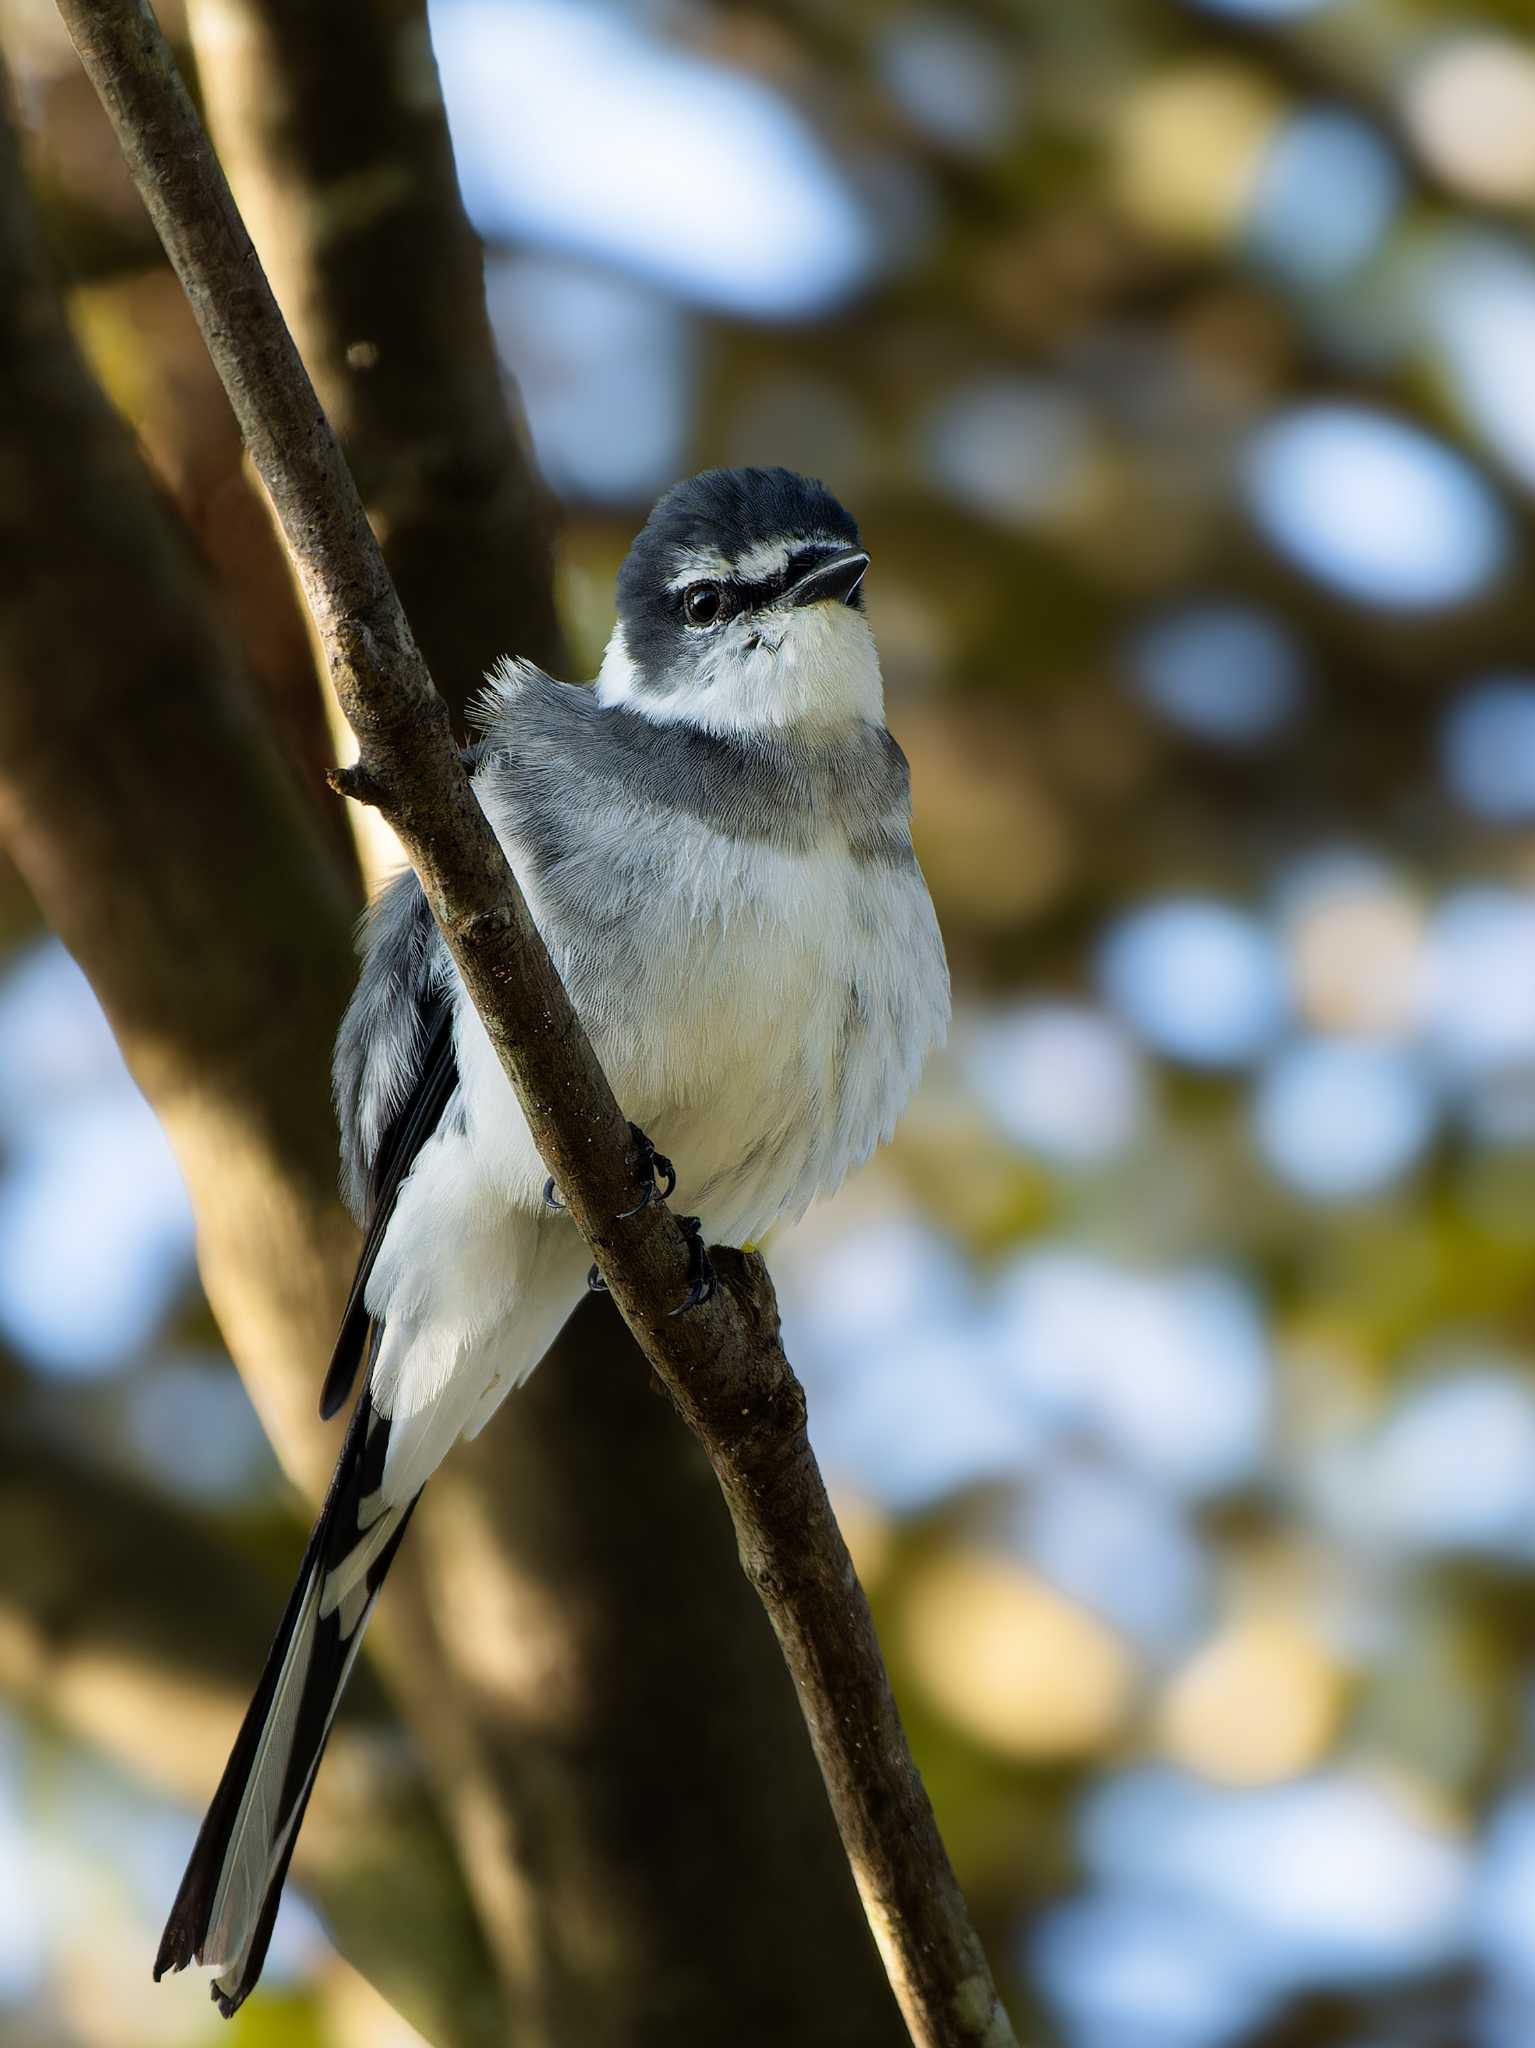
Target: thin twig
(723, 1366)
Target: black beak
(836, 580)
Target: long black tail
(224, 1910)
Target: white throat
(815, 666)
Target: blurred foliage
(1114, 247)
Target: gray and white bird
(715, 843)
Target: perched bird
(715, 843)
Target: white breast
(769, 1034)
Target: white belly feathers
(766, 1041)
(769, 1038)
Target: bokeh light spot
(1062, 1080)
(604, 365)
(1333, 1874)
(1478, 307)
(1469, 105)
(192, 1425)
(1199, 980)
(1353, 936)
(1012, 1662)
(1341, 1120)
(1016, 449)
(96, 1234)
(1189, 144)
(1223, 672)
(1488, 742)
(1266, 10)
(907, 1402)
(577, 126)
(1129, 1971)
(1503, 1908)
(1326, 195)
(1453, 1467)
(1479, 981)
(1168, 1371)
(1374, 507)
(1115, 1543)
(1258, 1704)
(957, 83)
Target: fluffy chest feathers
(743, 931)
(740, 961)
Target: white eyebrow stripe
(758, 564)
(695, 562)
(769, 558)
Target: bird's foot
(701, 1274)
(651, 1168)
(594, 1281)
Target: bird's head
(740, 609)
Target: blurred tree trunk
(609, 1723)
(146, 805)
(103, 1633)
(330, 125)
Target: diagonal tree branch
(641, 1910)
(560, 1680)
(723, 1367)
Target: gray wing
(394, 1075)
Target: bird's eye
(703, 603)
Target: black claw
(700, 1271)
(650, 1167)
(550, 1196)
(595, 1282)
